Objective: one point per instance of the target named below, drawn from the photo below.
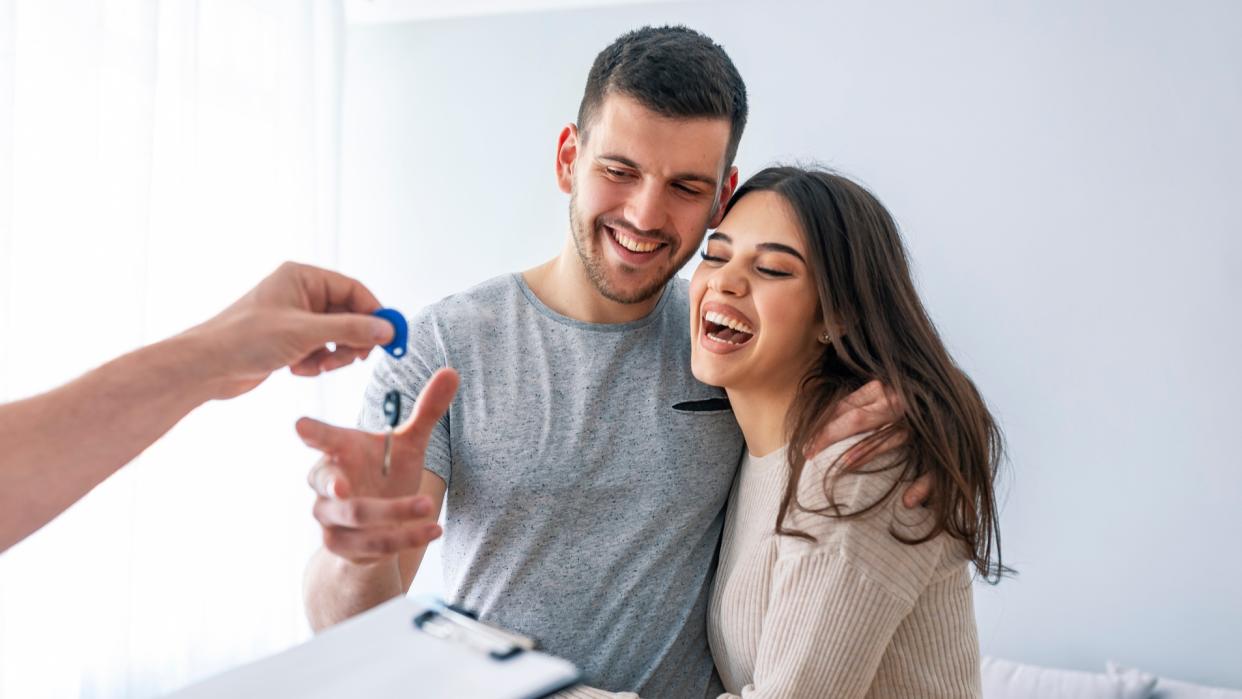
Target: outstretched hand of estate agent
(309, 319)
(366, 516)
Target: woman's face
(754, 310)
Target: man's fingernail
(332, 489)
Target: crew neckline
(544, 309)
(770, 458)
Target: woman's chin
(709, 372)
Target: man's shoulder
(680, 288)
(486, 292)
(678, 291)
(463, 306)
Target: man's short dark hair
(674, 72)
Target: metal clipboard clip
(450, 623)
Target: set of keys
(392, 399)
(392, 416)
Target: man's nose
(646, 209)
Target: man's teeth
(722, 319)
(633, 245)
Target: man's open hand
(366, 516)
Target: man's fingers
(362, 513)
(851, 423)
(870, 395)
(918, 492)
(862, 452)
(432, 403)
(361, 545)
(347, 445)
(328, 481)
(869, 408)
(320, 435)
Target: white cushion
(1005, 679)
(1173, 689)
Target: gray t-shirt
(583, 508)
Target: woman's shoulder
(857, 513)
(852, 488)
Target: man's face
(643, 190)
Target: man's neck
(563, 285)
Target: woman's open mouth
(725, 329)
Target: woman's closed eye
(767, 271)
(774, 272)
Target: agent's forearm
(56, 447)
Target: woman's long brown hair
(880, 330)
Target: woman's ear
(829, 330)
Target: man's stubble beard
(585, 235)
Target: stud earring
(825, 338)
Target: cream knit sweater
(855, 613)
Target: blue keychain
(400, 333)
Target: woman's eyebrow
(768, 247)
(779, 247)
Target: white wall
(1067, 178)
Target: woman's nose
(727, 281)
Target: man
(59, 445)
(584, 469)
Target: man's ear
(726, 191)
(566, 156)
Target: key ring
(392, 414)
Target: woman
(827, 586)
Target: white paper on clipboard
(382, 653)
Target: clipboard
(408, 648)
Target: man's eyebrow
(619, 159)
(769, 247)
(683, 176)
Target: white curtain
(157, 158)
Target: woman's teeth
(730, 331)
(722, 319)
(631, 244)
